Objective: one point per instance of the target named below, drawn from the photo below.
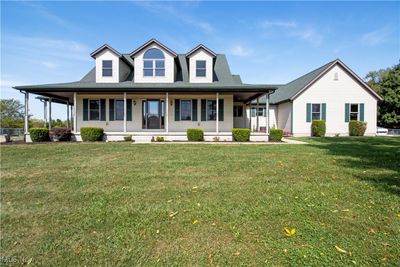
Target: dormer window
(154, 63)
(200, 68)
(107, 68)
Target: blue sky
(265, 42)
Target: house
(154, 91)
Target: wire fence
(12, 131)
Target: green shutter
(203, 110)
(221, 110)
(177, 110)
(347, 112)
(111, 109)
(102, 109)
(85, 109)
(129, 109)
(308, 112)
(323, 112)
(194, 109)
(362, 112)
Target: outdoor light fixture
(134, 102)
(170, 102)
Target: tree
(12, 113)
(386, 83)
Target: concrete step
(142, 139)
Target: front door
(153, 114)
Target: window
(354, 112)
(211, 110)
(94, 110)
(253, 112)
(119, 110)
(237, 111)
(186, 110)
(316, 111)
(261, 112)
(107, 68)
(153, 63)
(200, 68)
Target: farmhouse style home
(154, 91)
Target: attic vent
(336, 77)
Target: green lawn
(111, 204)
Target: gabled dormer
(107, 64)
(154, 63)
(201, 64)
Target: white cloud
(309, 35)
(45, 13)
(376, 37)
(240, 51)
(281, 24)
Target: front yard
(195, 205)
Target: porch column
(217, 115)
(250, 108)
(67, 114)
(26, 125)
(45, 113)
(72, 125)
(166, 111)
(75, 120)
(257, 123)
(125, 111)
(267, 114)
(50, 113)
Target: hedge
(60, 134)
(92, 134)
(275, 135)
(318, 128)
(39, 134)
(357, 128)
(241, 134)
(195, 134)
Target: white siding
(169, 68)
(107, 55)
(200, 55)
(335, 93)
(285, 116)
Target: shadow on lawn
(369, 154)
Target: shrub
(92, 134)
(159, 139)
(128, 138)
(241, 134)
(195, 134)
(60, 134)
(39, 134)
(357, 128)
(318, 128)
(275, 135)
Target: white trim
(180, 109)
(166, 117)
(217, 113)
(75, 108)
(205, 68)
(358, 111)
(201, 46)
(320, 111)
(102, 68)
(93, 99)
(207, 109)
(125, 113)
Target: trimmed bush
(160, 139)
(357, 128)
(92, 134)
(195, 134)
(60, 134)
(241, 134)
(275, 135)
(39, 134)
(318, 128)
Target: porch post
(50, 113)
(67, 114)
(71, 119)
(217, 115)
(267, 114)
(250, 108)
(125, 111)
(45, 113)
(26, 125)
(75, 120)
(257, 123)
(166, 111)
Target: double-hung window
(316, 112)
(119, 110)
(94, 110)
(211, 110)
(154, 63)
(186, 110)
(354, 112)
(200, 68)
(107, 68)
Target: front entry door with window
(153, 114)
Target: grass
(111, 204)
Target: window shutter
(323, 111)
(129, 109)
(362, 112)
(221, 110)
(102, 109)
(194, 109)
(203, 110)
(111, 109)
(177, 110)
(308, 112)
(347, 112)
(85, 109)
